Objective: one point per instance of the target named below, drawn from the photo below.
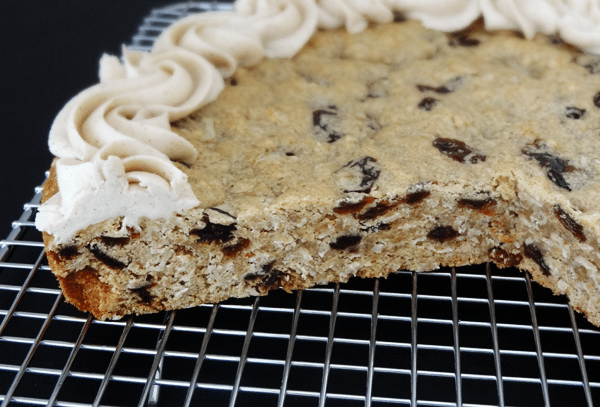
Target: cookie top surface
(398, 107)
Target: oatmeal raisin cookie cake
(364, 153)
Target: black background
(49, 51)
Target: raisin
(233, 82)
(589, 62)
(463, 41)
(556, 165)
(399, 17)
(427, 104)
(318, 117)
(377, 228)
(378, 210)
(557, 177)
(214, 232)
(290, 154)
(273, 280)
(416, 197)
(321, 120)
(535, 254)
(383, 226)
(593, 67)
(574, 112)
(482, 205)
(442, 233)
(569, 223)
(448, 87)
(346, 208)
(475, 203)
(556, 40)
(345, 242)
(143, 293)
(105, 258)
(504, 259)
(232, 250)
(363, 174)
(114, 241)
(597, 99)
(440, 89)
(266, 268)
(457, 150)
(252, 276)
(67, 252)
(268, 278)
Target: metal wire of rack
(473, 336)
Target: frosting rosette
(111, 188)
(257, 28)
(577, 22)
(115, 144)
(355, 15)
(136, 102)
(440, 15)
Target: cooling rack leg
(413, 342)
(151, 389)
(538, 343)
(155, 389)
(69, 363)
(372, 344)
(290, 350)
(499, 383)
(113, 362)
(326, 364)
(586, 383)
(244, 356)
(458, 380)
(201, 355)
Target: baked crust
(397, 148)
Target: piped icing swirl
(114, 142)
(116, 147)
(135, 103)
(577, 22)
(275, 29)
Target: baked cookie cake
(314, 144)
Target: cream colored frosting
(275, 29)
(115, 144)
(576, 21)
(114, 140)
(104, 189)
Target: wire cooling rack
(473, 336)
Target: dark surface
(49, 51)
